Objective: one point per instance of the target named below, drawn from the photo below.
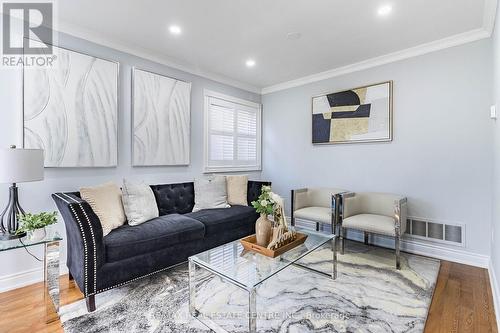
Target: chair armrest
(297, 199)
(85, 242)
(400, 214)
(348, 205)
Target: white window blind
(232, 134)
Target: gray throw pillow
(139, 202)
(210, 193)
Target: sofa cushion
(316, 214)
(218, 220)
(161, 232)
(174, 198)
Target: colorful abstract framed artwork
(362, 114)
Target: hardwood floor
(462, 302)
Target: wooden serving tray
(250, 243)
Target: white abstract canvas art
(161, 120)
(70, 110)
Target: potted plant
(34, 224)
(265, 206)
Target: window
(232, 134)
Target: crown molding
(93, 37)
(489, 15)
(455, 40)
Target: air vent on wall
(416, 228)
(435, 231)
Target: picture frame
(359, 115)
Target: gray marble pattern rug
(369, 295)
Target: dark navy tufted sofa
(98, 263)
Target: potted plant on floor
(34, 224)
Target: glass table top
(247, 268)
(51, 236)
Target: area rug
(369, 295)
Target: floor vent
(435, 231)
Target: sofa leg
(366, 238)
(70, 276)
(398, 258)
(90, 300)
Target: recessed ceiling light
(250, 63)
(175, 30)
(293, 35)
(384, 10)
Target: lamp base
(9, 216)
(7, 237)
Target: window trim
(207, 94)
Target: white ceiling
(219, 35)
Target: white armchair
(320, 205)
(374, 213)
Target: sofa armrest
(85, 243)
(254, 189)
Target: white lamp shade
(21, 165)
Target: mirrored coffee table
(247, 270)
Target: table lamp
(17, 166)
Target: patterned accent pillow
(237, 190)
(139, 202)
(210, 193)
(106, 202)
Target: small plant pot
(36, 235)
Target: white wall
(441, 156)
(495, 222)
(15, 265)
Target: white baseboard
(438, 251)
(25, 278)
(420, 247)
(494, 290)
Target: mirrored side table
(51, 267)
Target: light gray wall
(36, 196)
(495, 222)
(441, 154)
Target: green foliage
(30, 221)
(264, 204)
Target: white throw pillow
(106, 202)
(210, 193)
(139, 202)
(237, 190)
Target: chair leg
(90, 300)
(317, 226)
(342, 241)
(398, 258)
(366, 238)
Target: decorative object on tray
(17, 166)
(265, 206)
(363, 114)
(71, 110)
(161, 119)
(33, 225)
(281, 235)
(267, 236)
